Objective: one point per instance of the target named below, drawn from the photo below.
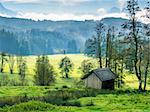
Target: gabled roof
(103, 74)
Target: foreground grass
(35, 106)
(120, 102)
(131, 102)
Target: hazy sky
(68, 9)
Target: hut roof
(103, 74)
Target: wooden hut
(100, 79)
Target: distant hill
(48, 37)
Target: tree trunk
(115, 67)
(100, 62)
(11, 71)
(2, 70)
(136, 52)
(106, 63)
(99, 51)
(140, 73)
(146, 72)
(67, 75)
(2, 65)
(140, 85)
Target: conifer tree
(44, 72)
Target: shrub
(90, 103)
(64, 86)
(72, 103)
(31, 106)
(11, 80)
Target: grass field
(110, 102)
(101, 103)
(130, 79)
(54, 60)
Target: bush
(72, 103)
(90, 103)
(9, 101)
(11, 80)
(64, 87)
(31, 106)
(54, 97)
(56, 88)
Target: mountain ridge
(48, 37)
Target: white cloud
(101, 11)
(71, 16)
(68, 16)
(122, 3)
(54, 16)
(64, 2)
(4, 15)
(71, 2)
(142, 15)
(21, 1)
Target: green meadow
(70, 95)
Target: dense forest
(44, 37)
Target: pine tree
(22, 69)
(44, 72)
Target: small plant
(90, 103)
(72, 103)
(56, 88)
(64, 87)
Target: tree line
(129, 49)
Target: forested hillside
(48, 37)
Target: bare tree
(99, 31)
(108, 49)
(146, 61)
(93, 46)
(2, 61)
(147, 47)
(133, 8)
(11, 63)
